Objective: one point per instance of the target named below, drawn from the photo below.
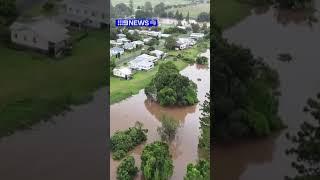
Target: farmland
(194, 10)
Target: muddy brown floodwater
(268, 32)
(184, 148)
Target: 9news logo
(136, 22)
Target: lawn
(153, 2)
(229, 12)
(194, 10)
(34, 87)
(121, 89)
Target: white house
(131, 31)
(159, 54)
(185, 42)
(86, 13)
(123, 40)
(121, 36)
(129, 46)
(115, 43)
(165, 35)
(123, 72)
(196, 36)
(41, 34)
(138, 43)
(182, 27)
(146, 40)
(142, 62)
(116, 50)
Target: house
(131, 31)
(115, 43)
(129, 46)
(142, 62)
(182, 27)
(116, 50)
(146, 40)
(41, 34)
(196, 36)
(165, 35)
(150, 33)
(138, 43)
(123, 40)
(123, 72)
(86, 13)
(159, 54)
(121, 36)
(183, 43)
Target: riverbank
(35, 87)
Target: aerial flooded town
(159, 92)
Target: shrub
(202, 60)
(124, 141)
(127, 169)
(168, 128)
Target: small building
(165, 35)
(41, 34)
(131, 31)
(116, 50)
(183, 43)
(123, 40)
(123, 72)
(159, 54)
(146, 40)
(115, 43)
(129, 46)
(196, 36)
(121, 36)
(182, 27)
(138, 43)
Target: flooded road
(184, 148)
(267, 33)
(67, 147)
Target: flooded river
(184, 148)
(268, 32)
(68, 147)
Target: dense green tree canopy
(169, 87)
(8, 11)
(199, 171)
(122, 10)
(205, 121)
(203, 17)
(156, 162)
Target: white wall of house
(29, 38)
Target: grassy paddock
(222, 11)
(34, 87)
(194, 10)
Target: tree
(188, 17)
(170, 43)
(205, 121)
(203, 17)
(202, 60)
(148, 7)
(127, 169)
(170, 14)
(168, 128)
(195, 27)
(199, 171)
(8, 11)
(307, 144)
(293, 4)
(156, 162)
(124, 141)
(131, 6)
(159, 9)
(122, 10)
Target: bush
(127, 169)
(124, 141)
(168, 128)
(156, 162)
(199, 171)
(202, 60)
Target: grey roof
(43, 27)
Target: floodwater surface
(71, 146)
(184, 148)
(268, 32)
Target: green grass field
(153, 2)
(194, 10)
(229, 12)
(33, 86)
